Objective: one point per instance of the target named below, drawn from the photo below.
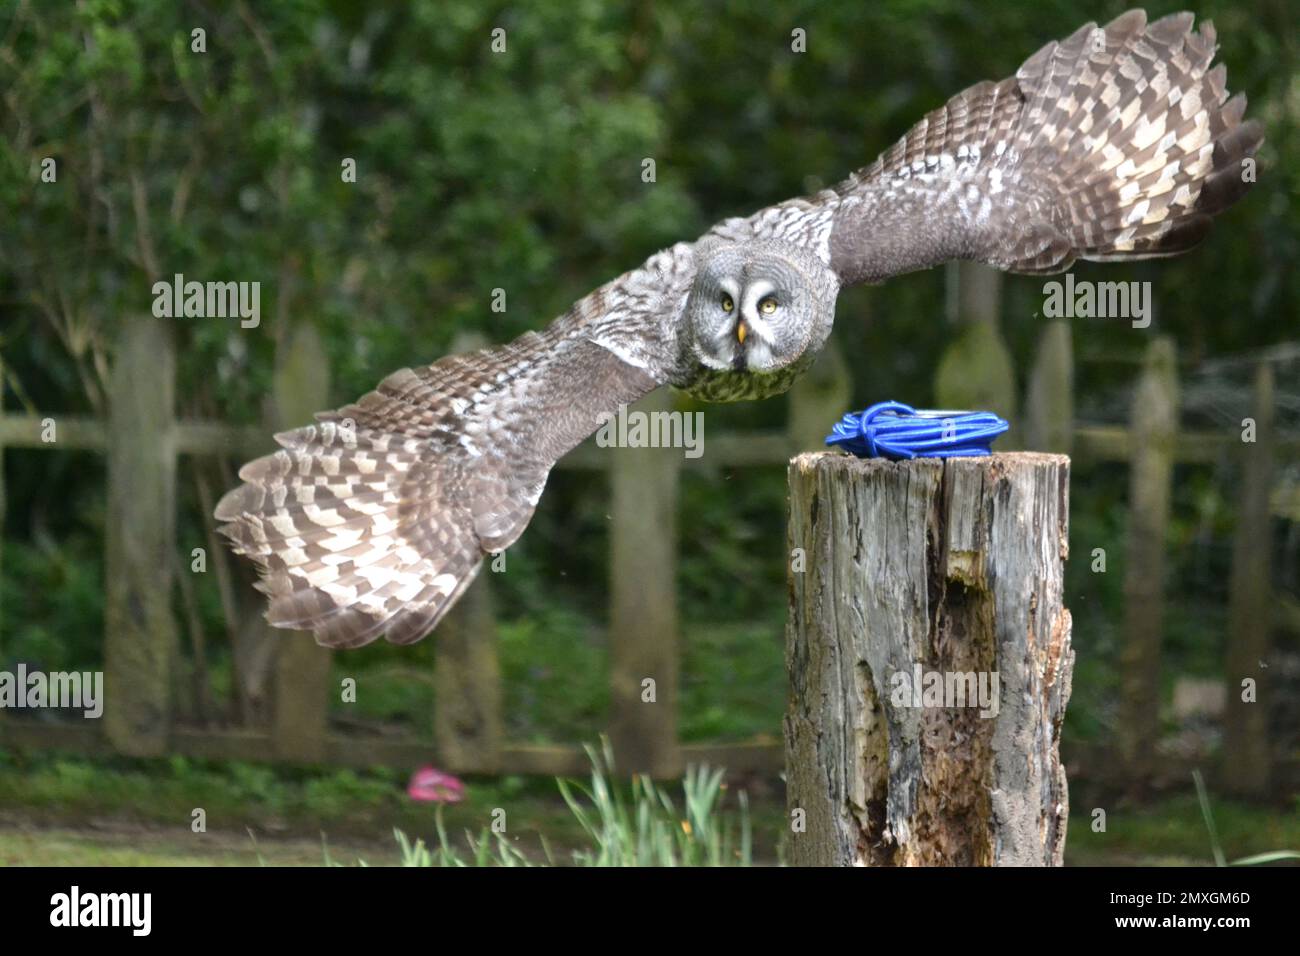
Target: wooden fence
(142, 441)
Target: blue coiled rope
(894, 430)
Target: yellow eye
(727, 304)
(767, 306)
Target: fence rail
(1091, 443)
(142, 441)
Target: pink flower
(431, 785)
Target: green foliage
(53, 583)
(277, 803)
(555, 669)
(1256, 859)
(1173, 831)
(486, 849)
(332, 796)
(626, 825)
(61, 594)
(642, 826)
(235, 794)
(733, 682)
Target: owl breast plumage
(713, 385)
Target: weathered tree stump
(930, 660)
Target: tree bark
(904, 574)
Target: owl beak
(741, 331)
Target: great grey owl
(1119, 142)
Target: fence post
(302, 667)
(139, 631)
(975, 370)
(468, 721)
(3, 506)
(1250, 607)
(1153, 432)
(1049, 399)
(819, 399)
(643, 614)
(930, 660)
(468, 724)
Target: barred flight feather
(1119, 142)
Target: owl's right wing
(374, 520)
(1118, 142)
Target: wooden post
(3, 505)
(904, 575)
(643, 613)
(1250, 607)
(1154, 431)
(302, 667)
(975, 370)
(468, 720)
(467, 713)
(139, 631)
(819, 399)
(1049, 402)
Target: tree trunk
(930, 660)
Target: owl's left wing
(374, 520)
(1117, 142)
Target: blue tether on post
(897, 431)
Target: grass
(1173, 832)
(139, 813)
(640, 826)
(61, 810)
(134, 845)
(59, 790)
(626, 824)
(1216, 847)
(611, 822)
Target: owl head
(757, 306)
